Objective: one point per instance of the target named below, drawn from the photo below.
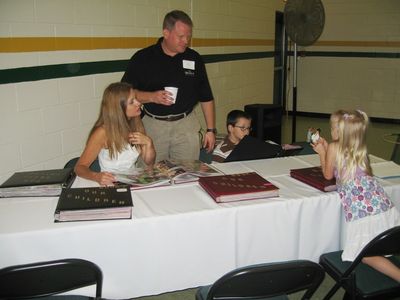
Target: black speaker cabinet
(266, 121)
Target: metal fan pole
(294, 108)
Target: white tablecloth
(178, 236)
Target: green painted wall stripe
(213, 58)
(89, 68)
(100, 67)
(60, 71)
(349, 54)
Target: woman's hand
(138, 138)
(145, 143)
(105, 178)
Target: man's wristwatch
(213, 130)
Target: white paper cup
(173, 90)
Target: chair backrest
(49, 278)
(268, 280)
(95, 166)
(386, 243)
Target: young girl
(367, 208)
(117, 138)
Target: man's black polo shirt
(150, 69)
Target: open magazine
(167, 172)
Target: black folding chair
(358, 279)
(48, 278)
(265, 281)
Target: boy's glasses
(243, 128)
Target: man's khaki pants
(175, 140)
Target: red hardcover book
(313, 176)
(235, 187)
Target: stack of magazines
(167, 172)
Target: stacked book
(313, 176)
(235, 187)
(94, 203)
(37, 183)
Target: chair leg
(353, 287)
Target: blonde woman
(367, 208)
(117, 138)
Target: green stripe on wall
(90, 68)
(349, 54)
(213, 58)
(60, 71)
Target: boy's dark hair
(234, 115)
(176, 15)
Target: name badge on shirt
(188, 64)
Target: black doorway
(280, 61)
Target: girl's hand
(320, 147)
(138, 138)
(105, 178)
(323, 142)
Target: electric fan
(304, 23)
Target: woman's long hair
(113, 118)
(352, 150)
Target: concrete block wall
(361, 27)
(44, 123)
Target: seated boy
(238, 125)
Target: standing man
(172, 126)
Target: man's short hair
(234, 115)
(176, 15)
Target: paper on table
(375, 159)
(232, 167)
(387, 169)
(82, 182)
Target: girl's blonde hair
(352, 146)
(113, 118)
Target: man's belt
(168, 118)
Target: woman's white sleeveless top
(123, 163)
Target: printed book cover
(235, 187)
(313, 176)
(94, 203)
(167, 172)
(37, 183)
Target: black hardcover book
(37, 183)
(94, 203)
(250, 148)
